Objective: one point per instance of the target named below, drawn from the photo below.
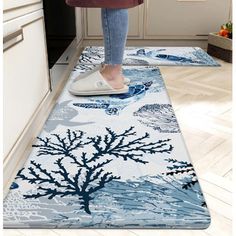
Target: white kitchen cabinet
(167, 19)
(26, 76)
(15, 8)
(184, 19)
(93, 26)
(13, 4)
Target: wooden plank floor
(201, 97)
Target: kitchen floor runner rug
(116, 161)
(162, 56)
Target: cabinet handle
(12, 39)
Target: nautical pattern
(163, 56)
(144, 82)
(128, 167)
(62, 114)
(160, 117)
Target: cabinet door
(93, 28)
(26, 77)
(12, 4)
(180, 19)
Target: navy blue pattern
(140, 86)
(160, 117)
(122, 165)
(59, 182)
(174, 56)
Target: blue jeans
(115, 30)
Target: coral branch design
(64, 145)
(89, 175)
(182, 167)
(160, 117)
(134, 149)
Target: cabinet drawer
(26, 77)
(12, 4)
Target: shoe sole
(94, 93)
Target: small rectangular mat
(162, 56)
(116, 161)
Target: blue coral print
(160, 117)
(174, 56)
(62, 115)
(109, 162)
(143, 82)
(59, 183)
(85, 183)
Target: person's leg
(115, 30)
